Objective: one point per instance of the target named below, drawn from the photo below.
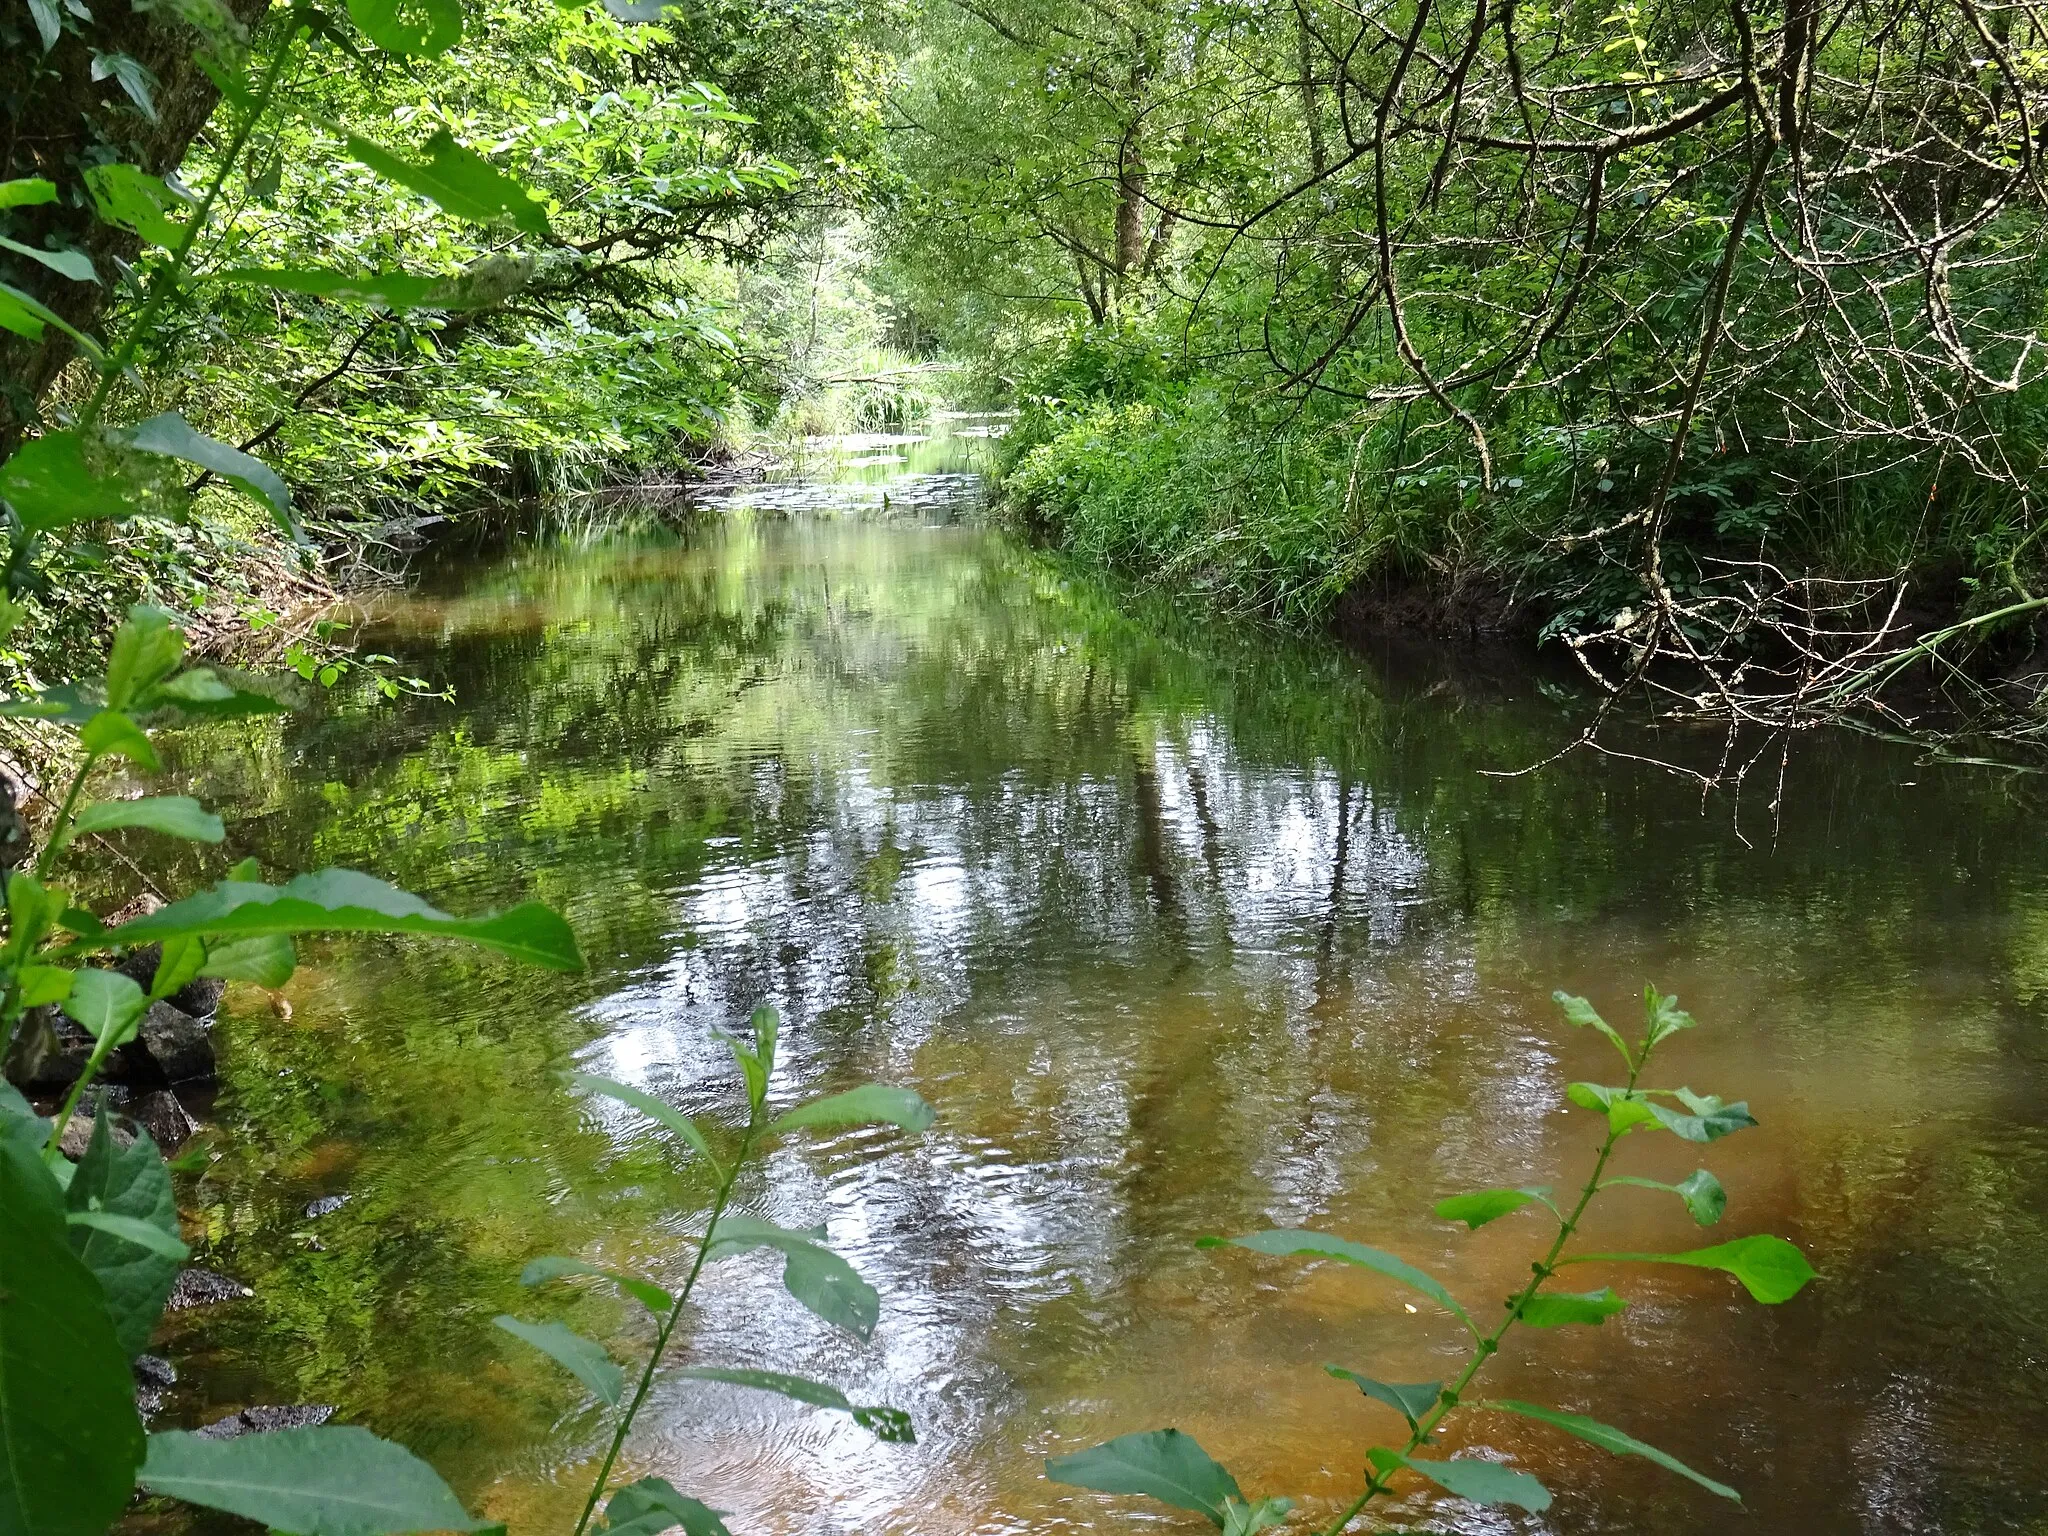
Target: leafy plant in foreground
(1170, 1466)
(816, 1276)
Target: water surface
(1184, 931)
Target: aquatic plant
(1170, 1466)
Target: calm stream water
(1183, 931)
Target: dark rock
(260, 1418)
(177, 1044)
(203, 1288)
(49, 1052)
(154, 1377)
(326, 1205)
(200, 996)
(168, 1122)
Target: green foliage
(1168, 1466)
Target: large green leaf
(651, 1296)
(130, 198)
(135, 1275)
(1293, 1241)
(112, 731)
(585, 1359)
(172, 815)
(1163, 1464)
(1607, 1437)
(461, 181)
(649, 1106)
(1770, 1269)
(422, 28)
(328, 1480)
(147, 648)
(267, 961)
(1410, 1400)
(1484, 1205)
(65, 477)
(1705, 1118)
(26, 315)
(343, 900)
(652, 1505)
(1483, 1482)
(873, 1104)
(811, 1272)
(75, 265)
(106, 1003)
(70, 1440)
(1558, 1309)
(19, 1122)
(886, 1423)
(174, 437)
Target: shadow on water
(1184, 932)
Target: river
(1183, 930)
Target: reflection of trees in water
(1181, 931)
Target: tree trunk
(55, 121)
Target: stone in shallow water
(260, 1418)
(154, 1376)
(177, 1043)
(204, 1288)
(159, 1112)
(326, 1205)
(78, 1134)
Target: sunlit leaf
(812, 1273)
(651, 1296)
(585, 1359)
(343, 900)
(1702, 1193)
(651, 1506)
(1582, 1014)
(422, 28)
(1558, 1309)
(75, 265)
(1665, 1017)
(1298, 1241)
(891, 1424)
(266, 961)
(178, 964)
(42, 985)
(26, 315)
(461, 181)
(1608, 1438)
(27, 190)
(106, 1003)
(648, 1105)
(110, 731)
(1770, 1269)
(173, 436)
(328, 1480)
(1482, 1206)
(1483, 1482)
(873, 1104)
(1163, 1464)
(172, 815)
(130, 198)
(1411, 1401)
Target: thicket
(1656, 322)
(359, 301)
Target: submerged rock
(326, 1205)
(204, 1288)
(260, 1418)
